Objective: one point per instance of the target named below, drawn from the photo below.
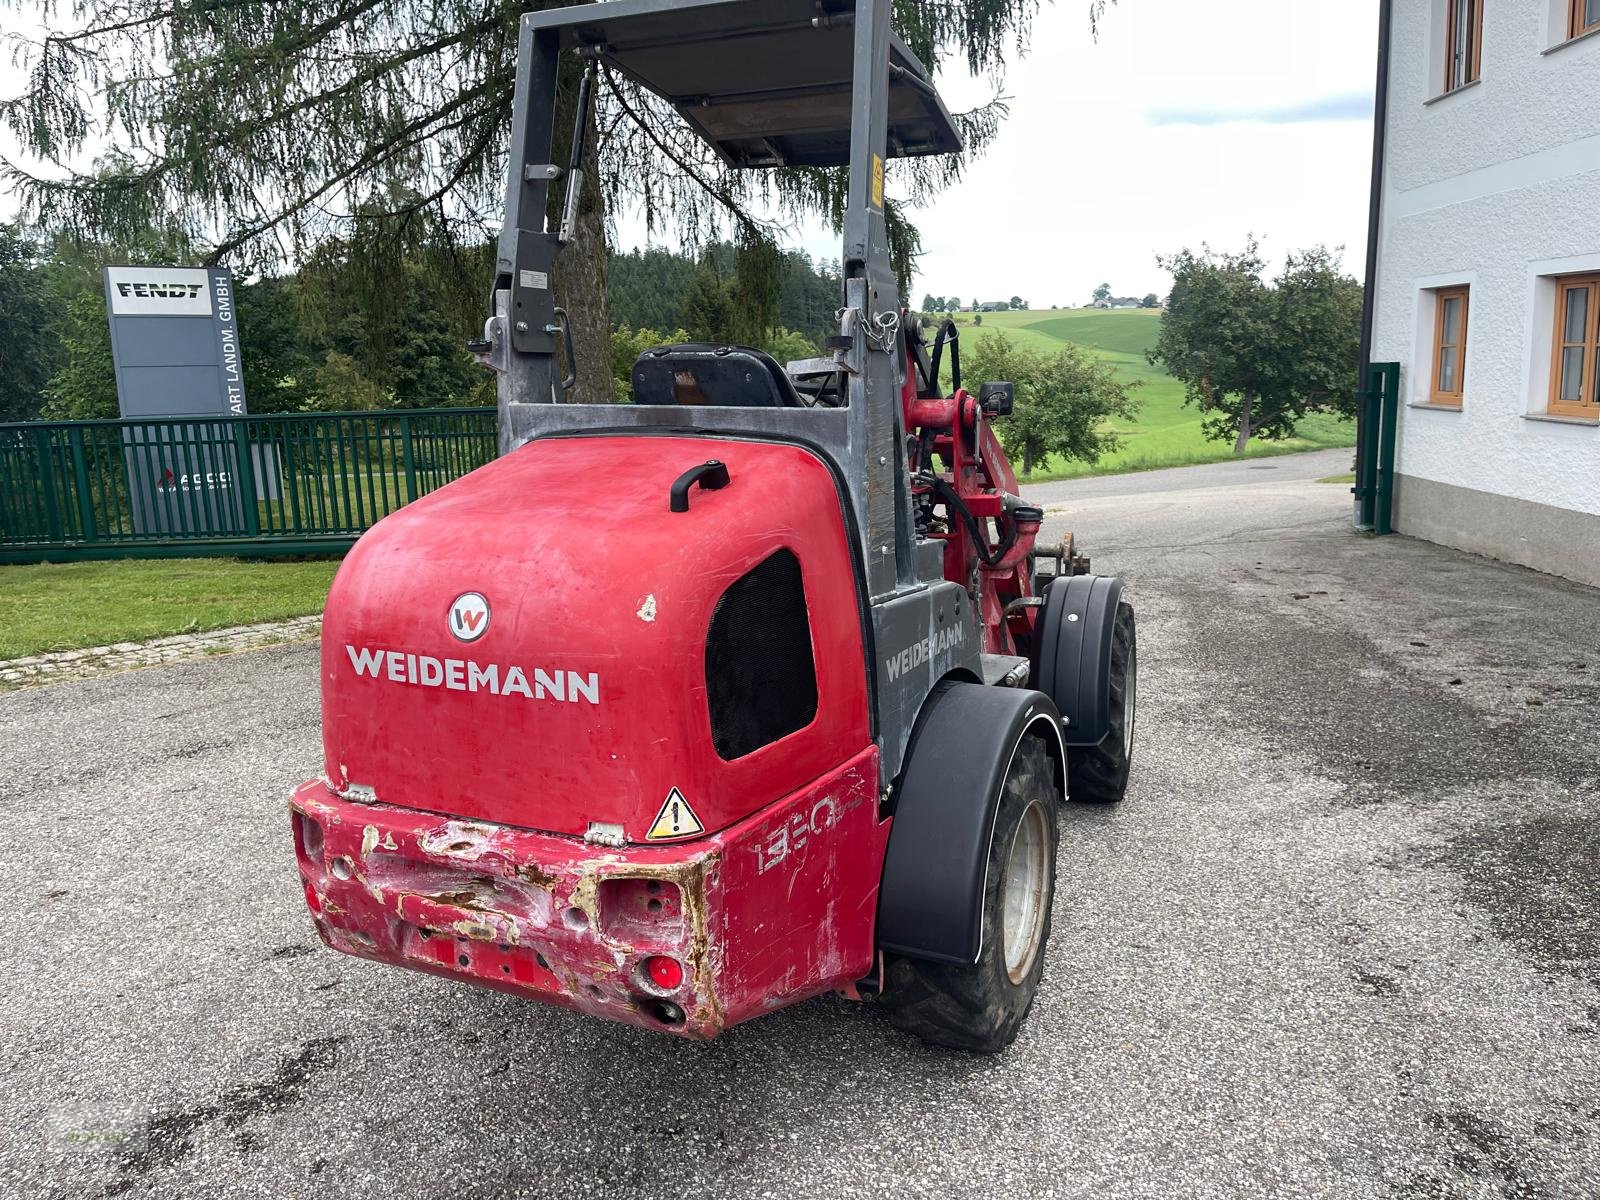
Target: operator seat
(707, 373)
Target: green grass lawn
(66, 606)
(1165, 433)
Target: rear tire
(982, 1007)
(1099, 774)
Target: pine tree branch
(231, 133)
(401, 141)
(742, 218)
(65, 40)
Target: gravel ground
(1341, 940)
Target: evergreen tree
(708, 314)
(649, 288)
(260, 145)
(85, 386)
(30, 310)
(279, 359)
(428, 366)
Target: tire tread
(1099, 774)
(977, 1008)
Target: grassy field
(1165, 434)
(65, 606)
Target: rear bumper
(769, 911)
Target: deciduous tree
(1255, 357)
(1065, 404)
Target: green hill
(1166, 434)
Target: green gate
(1379, 407)
(302, 483)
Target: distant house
(1486, 287)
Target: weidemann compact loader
(688, 709)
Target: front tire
(982, 1007)
(1099, 774)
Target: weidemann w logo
(469, 617)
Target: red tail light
(665, 973)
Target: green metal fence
(303, 483)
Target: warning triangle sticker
(675, 820)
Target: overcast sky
(1186, 122)
(1189, 121)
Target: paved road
(1283, 468)
(1342, 939)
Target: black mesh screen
(761, 682)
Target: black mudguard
(930, 905)
(1074, 663)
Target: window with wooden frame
(1449, 347)
(1574, 389)
(1463, 37)
(1583, 18)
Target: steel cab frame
(766, 83)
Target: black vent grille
(761, 681)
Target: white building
(1488, 276)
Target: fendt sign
(136, 290)
(175, 340)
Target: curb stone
(37, 669)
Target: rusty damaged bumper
(764, 913)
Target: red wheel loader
(688, 709)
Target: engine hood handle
(711, 475)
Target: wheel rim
(1027, 873)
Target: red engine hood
(575, 693)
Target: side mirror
(995, 399)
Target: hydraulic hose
(953, 501)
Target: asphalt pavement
(1342, 939)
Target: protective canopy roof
(765, 82)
